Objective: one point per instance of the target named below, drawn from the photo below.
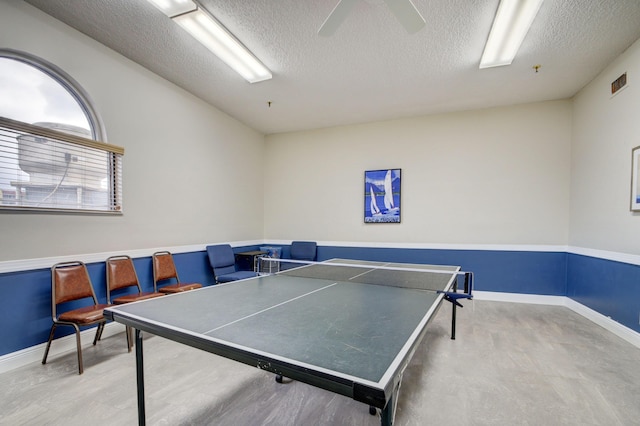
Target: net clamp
(452, 296)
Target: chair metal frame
(121, 273)
(164, 268)
(81, 288)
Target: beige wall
(494, 176)
(189, 170)
(606, 129)
(550, 173)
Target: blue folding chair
(303, 250)
(223, 262)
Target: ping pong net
(439, 278)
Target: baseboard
(535, 299)
(607, 323)
(59, 346)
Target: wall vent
(619, 83)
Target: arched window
(53, 150)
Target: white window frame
(98, 134)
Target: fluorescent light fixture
(510, 26)
(174, 7)
(215, 37)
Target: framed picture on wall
(635, 179)
(382, 196)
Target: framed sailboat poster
(382, 196)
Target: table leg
(453, 322)
(140, 378)
(387, 414)
(453, 312)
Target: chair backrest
(163, 267)
(70, 281)
(222, 259)
(303, 250)
(120, 274)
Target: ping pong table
(350, 327)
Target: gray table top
(341, 323)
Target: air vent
(619, 83)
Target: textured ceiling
(370, 69)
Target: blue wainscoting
(25, 309)
(608, 287)
(25, 297)
(527, 272)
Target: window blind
(45, 169)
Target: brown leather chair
(164, 269)
(70, 281)
(122, 274)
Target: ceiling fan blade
(407, 14)
(336, 17)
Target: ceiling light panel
(223, 44)
(510, 26)
(172, 8)
(215, 37)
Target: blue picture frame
(382, 192)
